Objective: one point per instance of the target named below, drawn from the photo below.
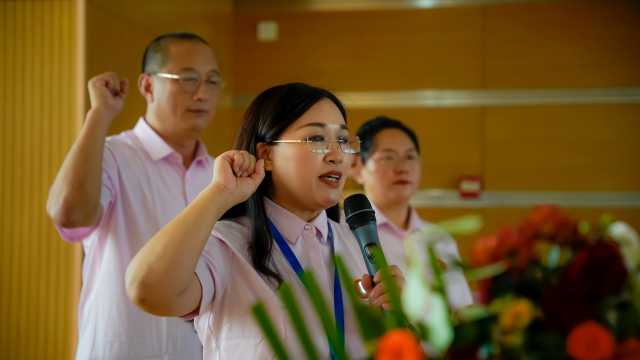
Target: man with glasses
(389, 169)
(112, 194)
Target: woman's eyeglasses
(318, 144)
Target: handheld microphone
(362, 221)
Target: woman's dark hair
(368, 131)
(268, 116)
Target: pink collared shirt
(144, 186)
(391, 239)
(230, 286)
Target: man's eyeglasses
(318, 144)
(190, 81)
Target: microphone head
(358, 211)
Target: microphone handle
(367, 236)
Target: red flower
(514, 245)
(483, 250)
(506, 244)
(399, 344)
(590, 341)
(599, 269)
(629, 350)
(595, 272)
(550, 222)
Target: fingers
(107, 93)
(244, 164)
(367, 283)
(258, 173)
(378, 296)
(110, 82)
(124, 88)
(108, 85)
(237, 164)
(360, 290)
(377, 292)
(396, 273)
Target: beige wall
(38, 122)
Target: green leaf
(266, 325)
(370, 319)
(554, 256)
(472, 313)
(322, 310)
(485, 272)
(398, 318)
(438, 277)
(295, 315)
(462, 226)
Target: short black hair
(368, 131)
(155, 54)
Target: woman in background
(389, 170)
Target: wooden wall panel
(563, 148)
(563, 44)
(38, 106)
(362, 50)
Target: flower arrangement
(549, 288)
(567, 289)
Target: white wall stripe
(359, 5)
(435, 98)
(447, 198)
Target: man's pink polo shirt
(144, 186)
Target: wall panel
(38, 271)
(563, 44)
(563, 148)
(362, 50)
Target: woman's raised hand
(237, 174)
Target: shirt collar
(202, 154)
(290, 225)
(158, 149)
(415, 222)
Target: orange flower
(590, 341)
(399, 344)
(629, 350)
(516, 316)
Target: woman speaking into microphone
(269, 212)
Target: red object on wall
(470, 186)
